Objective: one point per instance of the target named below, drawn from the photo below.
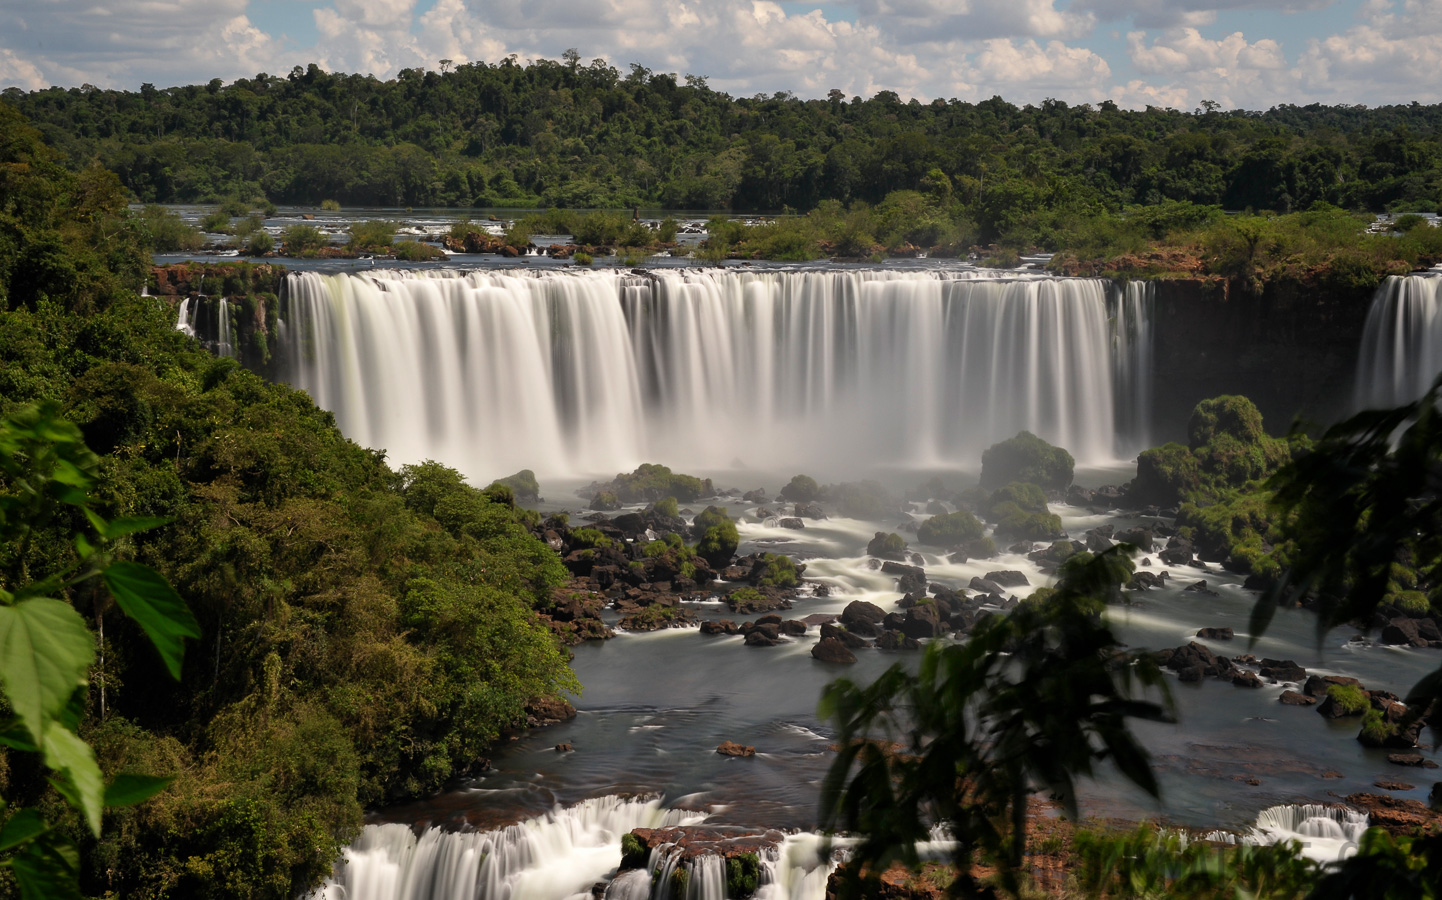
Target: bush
(259, 244)
(589, 539)
(743, 875)
(330, 206)
(718, 544)
(666, 506)
(950, 529)
(1028, 458)
(1027, 497)
(166, 232)
(606, 501)
(633, 853)
(887, 545)
(780, 571)
(216, 222)
(248, 226)
(303, 240)
(1014, 522)
(376, 234)
(666, 231)
(801, 489)
(651, 482)
(416, 251)
(582, 259)
(1349, 699)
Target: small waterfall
(579, 372)
(225, 340)
(557, 855)
(1133, 362)
(182, 321)
(1325, 833)
(1401, 342)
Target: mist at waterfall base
(749, 378)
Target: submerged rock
(832, 650)
(730, 748)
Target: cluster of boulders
(1333, 696)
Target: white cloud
(1175, 13)
(17, 72)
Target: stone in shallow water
(731, 748)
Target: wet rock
(887, 546)
(985, 586)
(1246, 678)
(792, 523)
(1200, 587)
(1282, 670)
(730, 748)
(833, 650)
(1007, 578)
(1331, 709)
(1097, 543)
(1145, 581)
(548, 711)
(1077, 495)
(1397, 815)
(757, 496)
(811, 511)
(563, 748)
(1139, 537)
(763, 513)
(1410, 632)
(757, 637)
(1393, 785)
(895, 640)
(1216, 634)
(1191, 673)
(861, 611)
(725, 626)
(852, 641)
(1292, 698)
(793, 627)
(1415, 760)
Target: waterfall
(1132, 361)
(225, 342)
(1326, 833)
(579, 372)
(1401, 342)
(182, 321)
(550, 857)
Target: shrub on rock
(886, 546)
(801, 489)
(523, 484)
(1027, 458)
(719, 537)
(605, 501)
(950, 529)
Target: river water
(750, 378)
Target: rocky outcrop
(731, 748)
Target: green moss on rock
(1027, 458)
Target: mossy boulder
(1227, 449)
(523, 484)
(651, 482)
(1027, 458)
(605, 501)
(886, 546)
(801, 489)
(950, 529)
(719, 537)
(1019, 510)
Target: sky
(1251, 54)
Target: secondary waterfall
(597, 371)
(1401, 342)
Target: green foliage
(801, 489)
(950, 529)
(1033, 699)
(780, 571)
(416, 251)
(1227, 449)
(216, 222)
(583, 259)
(47, 648)
(1151, 862)
(667, 507)
(719, 537)
(891, 544)
(633, 853)
(330, 206)
(651, 482)
(259, 243)
(1027, 458)
(861, 499)
(1026, 497)
(743, 875)
(375, 234)
(747, 600)
(524, 484)
(168, 233)
(303, 240)
(1349, 699)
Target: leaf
(121, 527)
(45, 651)
(128, 790)
(156, 607)
(83, 786)
(23, 826)
(48, 869)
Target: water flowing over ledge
(583, 372)
(1402, 342)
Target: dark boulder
(984, 586)
(1292, 698)
(1316, 685)
(1410, 632)
(861, 611)
(832, 650)
(1200, 587)
(793, 627)
(729, 748)
(809, 511)
(725, 626)
(895, 640)
(1139, 537)
(1007, 578)
(1245, 678)
(853, 641)
(792, 523)
(1282, 670)
(1216, 634)
(757, 637)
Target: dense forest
(365, 633)
(565, 134)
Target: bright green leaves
(24, 826)
(47, 869)
(79, 778)
(45, 651)
(156, 607)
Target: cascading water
(594, 372)
(1132, 359)
(225, 345)
(553, 856)
(183, 323)
(1401, 342)
(1324, 833)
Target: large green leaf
(22, 827)
(128, 790)
(45, 651)
(80, 782)
(48, 869)
(156, 607)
